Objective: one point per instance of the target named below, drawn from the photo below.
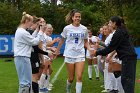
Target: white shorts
(74, 60)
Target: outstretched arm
(59, 45)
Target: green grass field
(9, 81)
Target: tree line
(94, 13)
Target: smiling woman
(76, 36)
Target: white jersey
(74, 47)
(23, 42)
(93, 40)
(108, 39)
(46, 39)
(107, 42)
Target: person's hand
(57, 39)
(94, 47)
(37, 29)
(92, 53)
(50, 55)
(53, 49)
(42, 28)
(108, 58)
(57, 52)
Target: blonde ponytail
(25, 17)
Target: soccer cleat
(97, 78)
(90, 78)
(104, 91)
(50, 85)
(49, 88)
(102, 86)
(113, 91)
(43, 90)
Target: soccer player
(92, 41)
(50, 48)
(76, 36)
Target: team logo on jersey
(77, 35)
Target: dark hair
(122, 21)
(90, 29)
(69, 16)
(117, 20)
(35, 19)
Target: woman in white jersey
(109, 79)
(47, 70)
(76, 36)
(22, 52)
(50, 48)
(92, 41)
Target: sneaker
(49, 88)
(97, 78)
(104, 91)
(113, 91)
(102, 86)
(90, 78)
(50, 84)
(43, 90)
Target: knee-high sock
(47, 81)
(96, 70)
(78, 87)
(35, 87)
(90, 71)
(100, 64)
(42, 81)
(68, 87)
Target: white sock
(90, 71)
(96, 70)
(47, 81)
(42, 81)
(78, 87)
(68, 87)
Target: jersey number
(76, 40)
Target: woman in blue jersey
(76, 37)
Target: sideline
(57, 73)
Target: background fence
(7, 42)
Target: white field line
(58, 72)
